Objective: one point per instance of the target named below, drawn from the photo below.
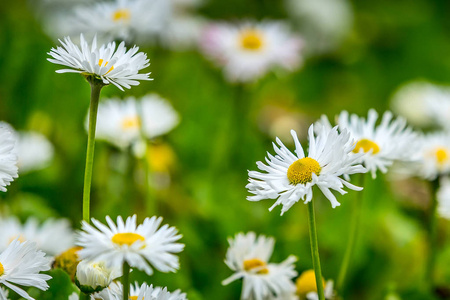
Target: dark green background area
(218, 140)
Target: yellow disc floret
(121, 15)
(306, 283)
(366, 145)
(301, 170)
(133, 297)
(68, 261)
(126, 238)
(251, 40)
(2, 269)
(441, 155)
(100, 63)
(131, 122)
(256, 263)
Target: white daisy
(247, 51)
(107, 64)
(139, 292)
(290, 177)
(112, 292)
(248, 257)
(34, 151)
(433, 155)
(8, 159)
(53, 236)
(20, 264)
(382, 144)
(443, 197)
(125, 122)
(140, 246)
(95, 276)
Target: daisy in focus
(126, 122)
(248, 257)
(20, 264)
(8, 159)
(141, 246)
(53, 236)
(381, 144)
(249, 50)
(105, 64)
(289, 178)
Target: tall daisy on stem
(377, 147)
(290, 178)
(100, 66)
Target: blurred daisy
(125, 122)
(140, 246)
(307, 286)
(383, 144)
(290, 177)
(324, 23)
(438, 107)
(94, 276)
(247, 51)
(248, 257)
(434, 156)
(20, 264)
(8, 159)
(415, 100)
(443, 197)
(68, 261)
(34, 151)
(106, 64)
(53, 236)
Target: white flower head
(140, 246)
(433, 156)
(34, 151)
(443, 197)
(8, 158)
(289, 178)
(139, 292)
(109, 64)
(21, 264)
(95, 275)
(249, 50)
(53, 236)
(381, 144)
(125, 122)
(248, 257)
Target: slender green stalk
(315, 250)
(85, 296)
(126, 280)
(352, 237)
(432, 235)
(95, 95)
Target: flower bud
(94, 276)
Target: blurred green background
(220, 138)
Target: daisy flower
(139, 292)
(289, 178)
(125, 122)
(107, 64)
(382, 144)
(248, 257)
(20, 264)
(34, 151)
(433, 156)
(307, 287)
(53, 236)
(8, 159)
(95, 276)
(443, 197)
(139, 246)
(249, 50)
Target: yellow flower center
(441, 155)
(255, 263)
(306, 283)
(121, 15)
(126, 238)
(131, 122)
(68, 261)
(301, 170)
(133, 297)
(100, 63)
(251, 40)
(2, 270)
(366, 145)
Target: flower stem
(315, 249)
(125, 280)
(95, 95)
(352, 237)
(432, 235)
(85, 296)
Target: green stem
(432, 235)
(95, 95)
(125, 280)
(315, 250)
(353, 234)
(85, 296)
